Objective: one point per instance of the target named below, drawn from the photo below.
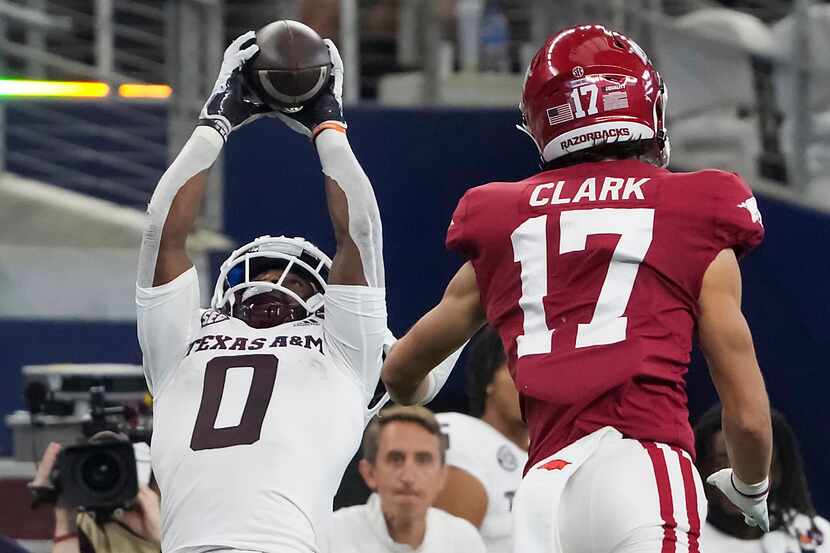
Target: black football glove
(227, 108)
(326, 107)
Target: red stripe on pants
(691, 501)
(661, 474)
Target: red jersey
(591, 275)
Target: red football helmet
(589, 86)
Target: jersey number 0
(608, 325)
(205, 434)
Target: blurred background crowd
(96, 94)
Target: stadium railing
(118, 142)
(757, 64)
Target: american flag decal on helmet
(615, 100)
(560, 114)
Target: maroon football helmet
(589, 86)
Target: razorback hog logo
(555, 464)
(595, 136)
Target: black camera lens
(101, 472)
(98, 476)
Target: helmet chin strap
(523, 127)
(252, 291)
(666, 149)
(314, 303)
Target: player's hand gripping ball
(228, 106)
(324, 111)
(292, 66)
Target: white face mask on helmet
(236, 286)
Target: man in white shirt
(794, 525)
(486, 456)
(404, 465)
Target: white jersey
(713, 540)
(803, 535)
(480, 450)
(253, 428)
(362, 529)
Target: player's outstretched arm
(351, 200)
(727, 344)
(434, 337)
(178, 195)
(354, 215)
(436, 378)
(171, 256)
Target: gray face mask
(253, 291)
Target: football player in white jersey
(486, 455)
(261, 400)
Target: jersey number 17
(608, 325)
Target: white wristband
(432, 390)
(750, 490)
(212, 136)
(438, 376)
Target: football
(292, 66)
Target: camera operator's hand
(145, 517)
(66, 523)
(324, 111)
(47, 463)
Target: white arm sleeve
(340, 164)
(168, 315)
(198, 154)
(354, 330)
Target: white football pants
(608, 494)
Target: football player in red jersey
(596, 272)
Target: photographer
(125, 531)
